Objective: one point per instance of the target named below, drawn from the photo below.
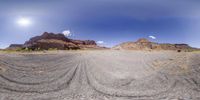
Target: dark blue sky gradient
(111, 21)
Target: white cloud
(67, 33)
(152, 37)
(100, 42)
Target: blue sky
(110, 21)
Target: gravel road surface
(100, 75)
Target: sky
(108, 22)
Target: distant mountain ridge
(58, 41)
(145, 44)
(55, 41)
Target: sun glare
(24, 22)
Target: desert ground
(100, 75)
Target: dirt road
(100, 75)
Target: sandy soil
(100, 75)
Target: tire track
(83, 75)
(65, 80)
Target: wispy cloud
(152, 37)
(67, 33)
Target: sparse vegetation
(52, 49)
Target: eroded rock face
(47, 35)
(46, 44)
(89, 42)
(142, 40)
(84, 42)
(56, 41)
(140, 44)
(144, 44)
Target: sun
(24, 22)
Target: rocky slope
(55, 41)
(144, 44)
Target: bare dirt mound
(144, 44)
(100, 75)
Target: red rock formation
(46, 44)
(84, 42)
(47, 35)
(57, 41)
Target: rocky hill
(55, 41)
(15, 46)
(144, 44)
